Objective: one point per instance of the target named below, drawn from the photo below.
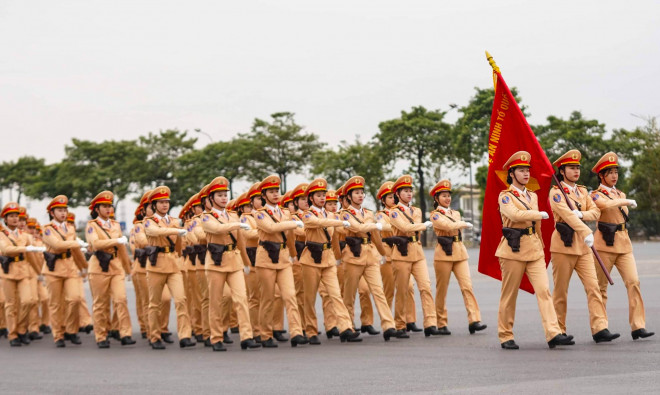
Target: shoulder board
(583, 186)
(366, 209)
(6, 232)
(555, 187)
(91, 221)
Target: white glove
(122, 240)
(346, 224)
(128, 277)
(428, 224)
(246, 269)
(544, 215)
(245, 226)
(35, 249)
(383, 260)
(589, 240)
(338, 262)
(578, 213)
(632, 203)
(82, 243)
(299, 224)
(469, 225)
(41, 278)
(182, 232)
(83, 250)
(379, 226)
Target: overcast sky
(115, 70)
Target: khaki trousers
(512, 274)
(313, 276)
(141, 300)
(387, 273)
(366, 310)
(104, 289)
(283, 278)
(370, 274)
(254, 294)
(563, 266)
(64, 304)
(461, 270)
(203, 285)
(402, 272)
(3, 315)
(329, 316)
(193, 293)
(226, 307)
(174, 281)
(278, 310)
(625, 264)
(19, 300)
(236, 283)
(34, 320)
(298, 279)
(84, 316)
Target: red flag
(509, 133)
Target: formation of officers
(236, 266)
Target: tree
(21, 174)
(160, 162)
(199, 167)
(420, 137)
(90, 168)
(586, 135)
(348, 160)
(280, 146)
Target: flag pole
(496, 69)
(593, 249)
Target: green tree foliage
(419, 137)
(280, 146)
(348, 160)
(21, 175)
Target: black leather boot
(186, 342)
(218, 346)
(561, 340)
(249, 343)
(103, 344)
(389, 333)
(167, 337)
(279, 336)
(158, 345)
(369, 329)
(432, 330)
(298, 339)
(270, 343)
(334, 332)
(476, 327)
(127, 341)
(641, 333)
(412, 327)
(350, 336)
(35, 336)
(314, 340)
(510, 345)
(604, 336)
(226, 339)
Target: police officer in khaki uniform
(386, 196)
(17, 256)
(64, 261)
(251, 279)
(299, 200)
(274, 256)
(523, 253)
(40, 310)
(319, 265)
(163, 235)
(107, 269)
(33, 320)
(408, 257)
(451, 257)
(84, 316)
(613, 242)
(225, 265)
(570, 246)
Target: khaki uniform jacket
(251, 236)
(53, 239)
(372, 252)
(299, 233)
(218, 230)
(609, 204)
(138, 240)
(98, 240)
(315, 222)
(383, 218)
(562, 213)
(12, 246)
(189, 240)
(158, 231)
(270, 230)
(515, 215)
(200, 235)
(444, 226)
(402, 227)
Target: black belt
(165, 249)
(282, 245)
(17, 258)
(529, 230)
(621, 227)
(413, 239)
(324, 246)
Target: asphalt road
(460, 363)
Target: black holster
(316, 250)
(342, 244)
(200, 251)
(400, 242)
(355, 245)
(566, 233)
(104, 260)
(512, 236)
(52, 258)
(216, 250)
(273, 250)
(608, 231)
(447, 244)
(88, 255)
(141, 255)
(152, 254)
(190, 253)
(252, 255)
(300, 246)
(5, 261)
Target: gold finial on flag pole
(496, 69)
